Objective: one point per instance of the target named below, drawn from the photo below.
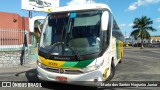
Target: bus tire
(120, 61)
(113, 68)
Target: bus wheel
(120, 61)
(113, 67)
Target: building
(11, 27)
(127, 41)
(16, 40)
(154, 40)
(13, 21)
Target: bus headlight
(39, 62)
(92, 68)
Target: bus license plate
(61, 78)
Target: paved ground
(137, 65)
(17, 69)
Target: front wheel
(113, 67)
(120, 61)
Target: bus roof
(81, 7)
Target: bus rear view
(76, 45)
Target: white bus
(79, 43)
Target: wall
(13, 21)
(13, 58)
(12, 30)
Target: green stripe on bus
(84, 63)
(69, 64)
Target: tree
(37, 31)
(141, 27)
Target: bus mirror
(104, 20)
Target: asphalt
(18, 68)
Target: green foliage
(37, 22)
(141, 27)
(36, 37)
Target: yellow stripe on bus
(121, 49)
(51, 63)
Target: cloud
(131, 24)
(122, 25)
(139, 3)
(158, 9)
(158, 26)
(77, 2)
(158, 20)
(132, 7)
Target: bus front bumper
(93, 76)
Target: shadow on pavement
(32, 75)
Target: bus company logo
(61, 58)
(6, 84)
(53, 64)
(61, 70)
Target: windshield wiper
(61, 44)
(53, 47)
(76, 54)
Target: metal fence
(14, 47)
(12, 39)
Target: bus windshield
(67, 34)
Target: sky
(124, 11)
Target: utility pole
(30, 14)
(125, 38)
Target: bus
(79, 43)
